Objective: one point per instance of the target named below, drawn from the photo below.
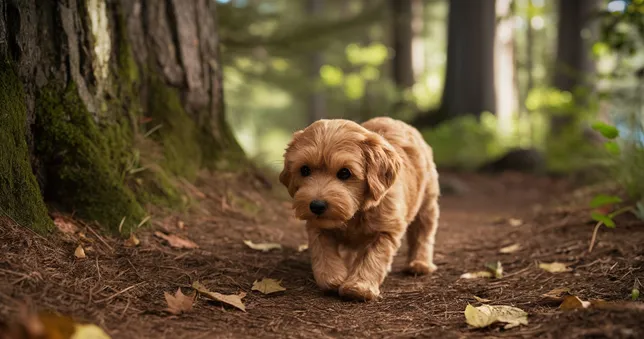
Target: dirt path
(121, 288)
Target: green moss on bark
(81, 161)
(20, 196)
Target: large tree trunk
(103, 102)
(406, 25)
(469, 78)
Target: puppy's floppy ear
(285, 175)
(382, 165)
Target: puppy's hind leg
(420, 236)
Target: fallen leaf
(303, 247)
(481, 300)
(179, 302)
(555, 296)
(496, 268)
(89, 331)
(132, 241)
(230, 299)
(555, 267)
(175, 241)
(474, 275)
(487, 315)
(268, 286)
(181, 225)
(64, 225)
(510, 249)
(515, 222)
(264, 247)
(572, 302)
(635, 294)
(79, 252)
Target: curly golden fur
(360, 188)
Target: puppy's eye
(344, 174)
(305, 171)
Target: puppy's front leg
(328, 266)
(370, 268)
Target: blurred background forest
(558, 80)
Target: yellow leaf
(515, 222)
(487, 315)
(267, 286)
(79, 252)
(132, 241)
(481, 300)
(572, 302)
(555, 267)
(474, 275)
(496, 268)
(303, 247)
(264, 247)
(175, 241)
(89, 331)
(231, 299)
(510, 249)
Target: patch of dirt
(121, 288)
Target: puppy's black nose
(318, 206)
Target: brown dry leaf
(555, 296)
(572, 302)
(481, 300)
(515, 222)
(65, 225)
(176, 241)
(79, 252)
(555, 267)
(264, 247)
(303, 247)
(486, 315)
(51, 326)
(230, 299)
(179, 302)
(510, 249)
(268, 286)
(474, 275)
(181, 225)
(132, 241)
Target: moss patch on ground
(20, 196)
(81, 161)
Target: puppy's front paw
(328, 282)
(359, 290)
(418, 267)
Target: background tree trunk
(573, 61)
(107, 101)
(402, 40)
(317, 101)
(469, 77)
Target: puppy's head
(335, 168)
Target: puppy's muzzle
(318, 207)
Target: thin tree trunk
(403, 36)
(94, 84)
(317, 100)
(506, 95)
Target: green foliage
(603, 200)
(20, 197)
(608, 131)
(77, 158)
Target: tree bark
(469, 77)
(317, 101)
(404, 29)
(114, 98)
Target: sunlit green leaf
(369, 73)
(600, 49)
(331, 75)
(612, 148)
(608, 131)
(603, 200)
(354, 86)
(603, 218)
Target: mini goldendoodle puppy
(360, 188)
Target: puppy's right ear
(285, 175)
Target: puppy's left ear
(285, 175)
(382, 167)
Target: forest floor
(121, 288)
